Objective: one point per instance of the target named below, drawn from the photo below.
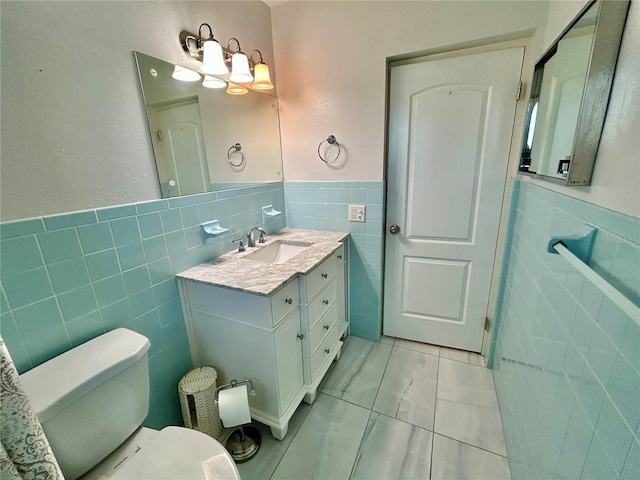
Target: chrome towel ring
(235, 149)
(331, 140)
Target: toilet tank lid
(56, 383)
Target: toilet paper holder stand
(235, 383)
(244, 442)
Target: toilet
(92, 401)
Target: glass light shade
(240, 68)
(234, 89)
(213, 59)
(262, 80)
(213, 82)
(185, 75)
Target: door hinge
(487, 324)
(519, 91)
(159, 135)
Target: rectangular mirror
(570, 93)
(205, 139)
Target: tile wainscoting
(325, 206)
(566, 359)
(68, 278)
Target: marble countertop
(233, 270)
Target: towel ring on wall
(237, 148)
(331, 140)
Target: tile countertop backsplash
(233, 270)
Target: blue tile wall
(324, 206)
(566, 360)
(65, 279)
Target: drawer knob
(326, 350)
(326, 327)
(339, 257)
(324, 275)
(300, 336)
(326, 302)
(289, 300)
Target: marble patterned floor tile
(477, 359)
(271, 450)
(467, 406)
(408, 388)
(327, 443)
(386, 339)
(417, 346)
(453, 459)
(463, 356)
(453, 354)
(392, 449)
(357, 375)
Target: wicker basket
(197, 391)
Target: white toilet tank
(91, 398)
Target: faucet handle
(240, 246)
(261, 240)
(250, 242)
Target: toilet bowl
(92, 400)
(172, 453)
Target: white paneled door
(450, 128)
(179, 148)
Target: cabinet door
(288, 359)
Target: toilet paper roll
(233, 405)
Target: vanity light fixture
(216, 59)
(262, 80)
(212, 56)
(185, 75)
(233, 89)
(213, 82)
(240, 72)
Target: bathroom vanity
(274, 314)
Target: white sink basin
(278, 252)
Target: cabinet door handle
(326, 302)
(289, 300)
(300, 336)
(326, 327)
(324, 275)
(339, 257)
(326, 350)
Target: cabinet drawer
(320, 276)
(326, 350)
(321, 303)
(285, 300)
(340, 255)
(321, 328)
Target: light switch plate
(356, 213)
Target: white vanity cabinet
(284, 342)
(250, 336)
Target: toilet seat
(179, 453)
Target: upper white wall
(616, 177)
(74, 131)
(331, 59)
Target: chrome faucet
(251, 239)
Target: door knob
(394, 229)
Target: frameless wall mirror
(569, 95)
(204, 138)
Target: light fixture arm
(200, 42)
(252, 62)
(228, 49)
